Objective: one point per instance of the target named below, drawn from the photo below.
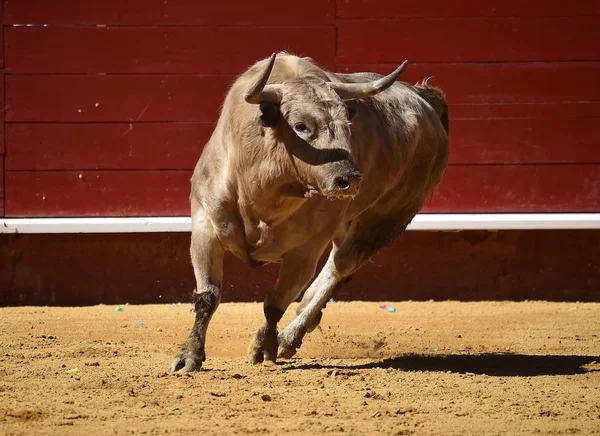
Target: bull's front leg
(297, 269)
(207, 259)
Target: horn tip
(399, 70)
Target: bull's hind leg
(207, 259)
(354, 251)
(297, 269)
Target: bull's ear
(352, 111)
(271, 114)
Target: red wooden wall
(107, 103)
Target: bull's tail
(436, 98)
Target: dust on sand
(429, 368)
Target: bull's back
(402, 147)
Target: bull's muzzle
(344, 185)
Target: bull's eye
(301, 128)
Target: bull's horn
(353, 91)
(260, 91)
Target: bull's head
(315, 124)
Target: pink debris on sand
(382, 306)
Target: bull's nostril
(342, 183)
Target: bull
(300, 159)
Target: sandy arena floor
(429, 368)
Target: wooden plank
(2, 114)
(190, 50)
(562, 140)
(2, 27)
(469, 266)
(545, 111)
(470, 188)
(2, 124)
(173, 12)
(369, 9)
(178, 145)
(97, 193)
(115, 98)
(518, 188)
(468, 40)
(2, 177)
(502, 82)
(197, 98)
(105, 146)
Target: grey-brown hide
(272, 185)
(316, 132)
(272, 171)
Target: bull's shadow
(492, 364)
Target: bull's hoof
(287, 345)
(263, 346)
(187, 361)
(287, 353)
(259, 356)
